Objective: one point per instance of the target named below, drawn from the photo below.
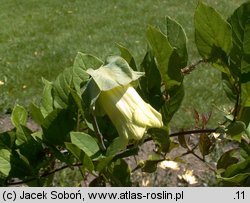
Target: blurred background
(41, 38)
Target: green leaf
(59, 154)
(87, 163)
(28, 147)
(57, 125)
(85, 61)
(36, 114)
(116, 146)
(212, 33)
(161, 138)
(47, 98)
(120, 173)
(125, 53)
(245, 94)
(22, 135)
(102, 162)
(238, 168)
(7, 139)
(114, 73)
(235, 130)
(152, 75)
(229, 88)
(61, 88)
(248, 131)
(177, 38)
(151, 83)
(162, 51)
(34, 152)
(73, 78)
(239, 56)
(19, 116)
(81, 156)
(78, 153)
(236, 180)
(98, 182)
(78, 101)
(38, 135)
(90, 95)
(244, 117)
(81, 64)
(5, 165)
(173, 102)
(184, 140)
(245, 64)
(174, 69)
(150, 166)
(227, 159)
(85, 142)
(20, 167)
(205, 144)
(245, 149)
(127, 153)
(245, 104)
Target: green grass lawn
(39, 38)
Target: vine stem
(199, 131)
(193, 132)
(43, 175)
(198, 157)
(192, 152)
(188, 69)
(237, 105)
(98, 133)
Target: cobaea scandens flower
(129, 113)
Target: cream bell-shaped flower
(129, 113)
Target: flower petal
(128, 112)
(116, 72)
